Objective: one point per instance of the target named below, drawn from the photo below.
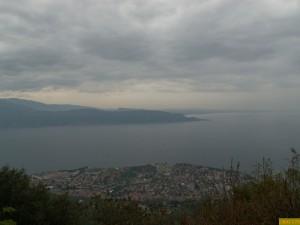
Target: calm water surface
(245, 137)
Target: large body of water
(245, 137)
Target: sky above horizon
(221, 54)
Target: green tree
(7, 211)
(261, 201)
(33, 203)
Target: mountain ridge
(18, 113)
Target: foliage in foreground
(261, 201)
(35, 205)
(7, 211)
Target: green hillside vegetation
(261, 201)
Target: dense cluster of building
(161, 181)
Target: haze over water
(157, 54)
(245, 137)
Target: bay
(243, 137)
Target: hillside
(24, 113)
(269, 195)
(160, 181)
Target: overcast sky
(242, 54)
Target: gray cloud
(216, 45)
(127, 48)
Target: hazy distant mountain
(24, 113)
(38, 105)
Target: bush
(259, 202)
(34, 204)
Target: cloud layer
(108, 46)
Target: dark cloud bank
(215, 45)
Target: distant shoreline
(18, 113)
